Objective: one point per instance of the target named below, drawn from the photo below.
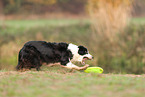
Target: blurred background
(112, 30)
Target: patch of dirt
(2, 74)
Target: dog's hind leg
(19, 66)
(20, 61)
(37, 64)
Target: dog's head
(84, 54)
(80, 53)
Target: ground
(62, 83)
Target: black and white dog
(35, 53)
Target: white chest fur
(74, 49)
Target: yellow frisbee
(94, 70)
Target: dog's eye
(86, 52)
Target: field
(58, 82)
(63, 84)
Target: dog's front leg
(72, 66)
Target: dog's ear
(81, 47)
(82, 50)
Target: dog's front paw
(87, 65)
(84, 67)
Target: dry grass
(10, 49)
(108, 17)
(8, 73)
(9, 54)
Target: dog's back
(34, 53)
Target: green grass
(138, 20)
(23, 25)
(55, 22)
(41, 22)
(65, 84)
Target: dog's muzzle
(86, 57)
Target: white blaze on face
(89, 56)
(74, 49)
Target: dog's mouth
(84, 59)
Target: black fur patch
(82, 50)
(34, 53)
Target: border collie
(35, 53)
